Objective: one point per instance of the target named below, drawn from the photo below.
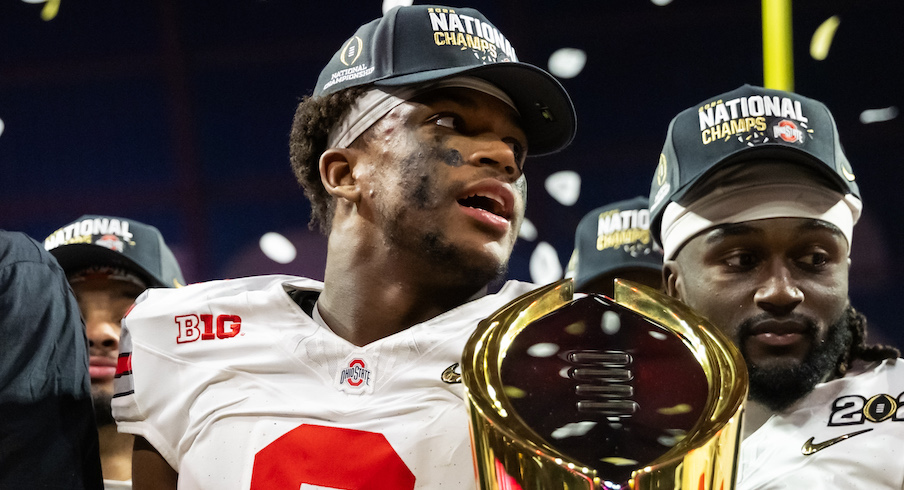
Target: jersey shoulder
(216, 302)
(200, 295)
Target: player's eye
(815, 259)
(741, 260)
(449, 121)
(517, 150)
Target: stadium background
(177, 114)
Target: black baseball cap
(747, 123)
(422, 43)
(94, 240)
(611, 239)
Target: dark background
(176, 113)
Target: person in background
(48, 437)
(613, 241)
(754, 203)
(109, 261)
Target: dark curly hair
(314, 118)
(859, 349)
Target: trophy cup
(592, 393)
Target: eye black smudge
(417, 179)
(453, 158)
(421, 195)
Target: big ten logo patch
(355, 376)
(629, 227)
(856, 409)
(205, 327)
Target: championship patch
(463, 32)
(754, 120)
(856, 409)
(628, 228)
(111, 233)
(356, 376)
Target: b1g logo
(204, 327)
(855, 409)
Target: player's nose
(779, 292)
(103, 334)
(492, 150)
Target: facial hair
(103, 409)
(457, 266)
(779, 387)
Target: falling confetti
(528, 230)
(567, 62)
(564, 186)
(822, 38)
(50, 10)
(878, 115)
(544, 264)
(278, 248)
(389, 4)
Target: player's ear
(336, 165)
(671, 278)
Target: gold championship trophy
(637, 393)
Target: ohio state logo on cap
(787, 131)
(112, 242)
(356, 376)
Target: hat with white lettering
(110, 241)
(614, 241)
(423, 43)
(747, 125)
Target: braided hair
(858, 348)
(314, 118)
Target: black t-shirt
(48, 434)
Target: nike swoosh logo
(809, 448)
(451, 376)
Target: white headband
(758, 191)
(378, 101)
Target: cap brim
(77, 256)
(547, 113)
(779, 152)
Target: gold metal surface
(509, 454)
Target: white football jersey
(847, 434)
(237, 387)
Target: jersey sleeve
(180, 346)
(154, 386)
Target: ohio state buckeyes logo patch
(788, 131)
(356, 376)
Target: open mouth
(485, 203)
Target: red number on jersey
(330, 457)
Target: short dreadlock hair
(314, 118)
(859, 349)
